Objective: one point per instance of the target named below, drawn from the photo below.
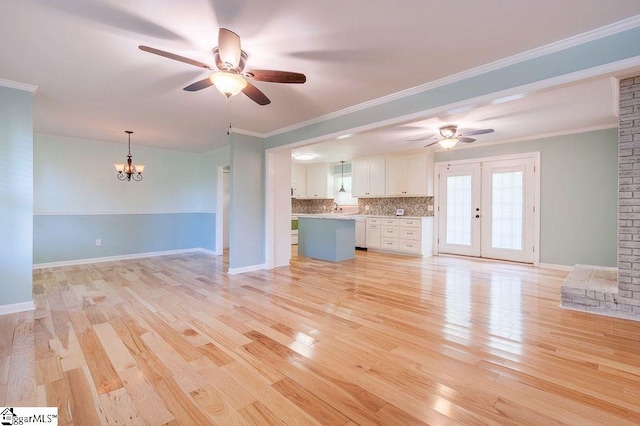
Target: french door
(486, 209)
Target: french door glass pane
(459, 210)
(506, 210)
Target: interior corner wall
(578, 194)
(16, 195)
(247, 207)
(78, 200)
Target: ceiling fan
(230, 78)
(450, 136)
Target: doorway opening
(223, 197)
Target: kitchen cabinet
(319, 181)
(298, 180)
(373, 233)
(368, 177)
(407, 175)
(401, 235)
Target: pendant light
(342, 181)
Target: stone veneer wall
(413, 206)
(629, 196)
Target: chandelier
(129, 171)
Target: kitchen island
(327, 237)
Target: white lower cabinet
(373, 234)
(402, 235)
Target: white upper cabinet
(298, 180)
(407, 175)
(368, 177)
(319, 181)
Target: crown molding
(598, 33)
(247, 132)
(17, 85)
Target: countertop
(328, 216)
(395, 217)
(352, 216)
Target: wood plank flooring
(380, 339)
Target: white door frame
(220, 211)
(536, 189)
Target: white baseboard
(116, 258)
(250, 268)
(555, 266)
(207, 251)
(17, 307)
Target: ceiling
(94, 83)
(576, 107)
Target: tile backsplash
(311, 206)
(413, 206)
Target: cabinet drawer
(413, 223)
(390, 232)
(390, 222)
(374, 220)
(389, 244)
(409, 246)
(410, 234)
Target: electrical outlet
(98, 242)
(430, 208)
(366, 208)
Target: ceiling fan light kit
(227, 83)
(448, 143)
(127, 171)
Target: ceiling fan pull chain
(229, 116)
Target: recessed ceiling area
(575, 107)
(94, 83)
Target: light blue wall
(578, 194)
(247, 210)
(72, 237)
(16, 195)
(210, 161)
(74, 206)
(609, 49)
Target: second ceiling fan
(450, 136)
(230, 78)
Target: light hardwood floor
(381, 339)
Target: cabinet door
(299, 189)
(319, 181)
(360, 178)
(396, 176)
(373, 236)
(416, 175)
(377, 176)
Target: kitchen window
(344, 199)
